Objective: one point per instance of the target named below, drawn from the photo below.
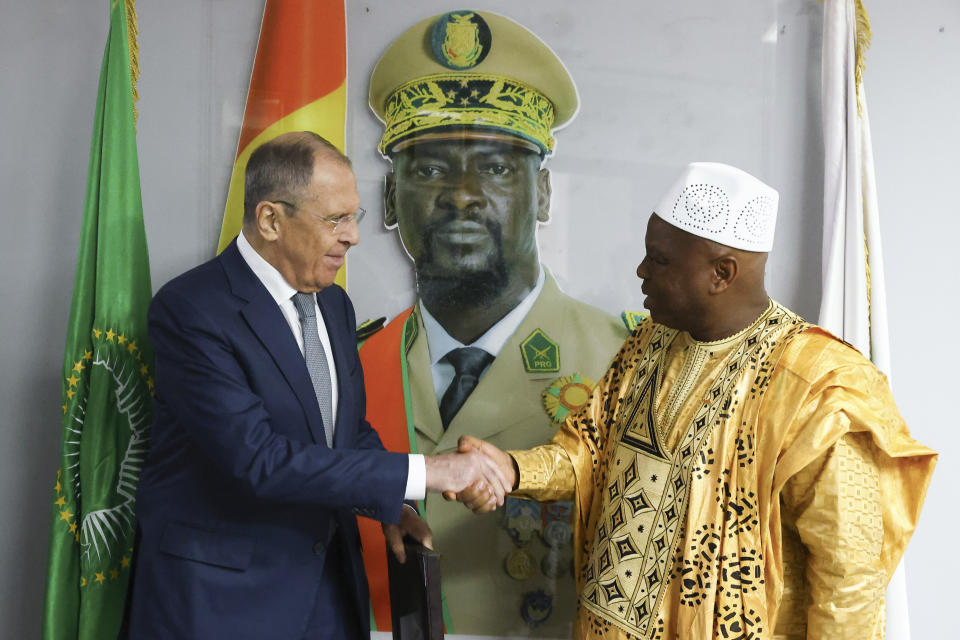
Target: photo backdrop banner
(656, 90)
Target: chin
(319, 284)
(455, 270)
(660, 318)
(467, 262)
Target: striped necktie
(316, 358)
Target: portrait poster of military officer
(470, 109)
(491, 344)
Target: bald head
(282, 168)
(698, 285)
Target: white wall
(196, 59)
(49, 62)
(914, 98)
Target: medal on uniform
(556, 562)
(557, 532)
(519, 565)
(566, 395)
(537, 607)
(521, 519)
(557, 535)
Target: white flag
(854, 304)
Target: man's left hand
(411, 524)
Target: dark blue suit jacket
(240, 494)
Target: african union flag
(107, 383)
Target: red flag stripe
(312, 30)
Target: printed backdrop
(654, 95)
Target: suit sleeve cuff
(416, 478)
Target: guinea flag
(299, 83)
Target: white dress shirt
(440, 343)
(282, 293)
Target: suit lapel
(268, 324)
(426, 414)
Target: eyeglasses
(337, 223)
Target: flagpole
(853, 304)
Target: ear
(268, 220)
(725, 271)
(544, 191)
(390, 200)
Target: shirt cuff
(416, 478)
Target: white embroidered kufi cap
(723, 204)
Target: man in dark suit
(261, 453)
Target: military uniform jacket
(500, 577)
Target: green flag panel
(107, 374)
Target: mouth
(336, 260)
(647, 299)
(462, 232)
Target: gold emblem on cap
(471, 74)
(461, 42)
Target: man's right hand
(451, 473)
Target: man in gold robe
(738, 472)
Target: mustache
(430, 231)
(459, 288)
(450, 216)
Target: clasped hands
(481, 475)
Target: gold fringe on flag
(134, 52)
(864, 36)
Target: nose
(349, 232)
(642, 272)
(463, 193)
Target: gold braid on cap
(444, 100)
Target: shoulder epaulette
(367, 328)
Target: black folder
(416, 610)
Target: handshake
(479, 475)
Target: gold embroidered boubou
(634, 560)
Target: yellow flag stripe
(326, 116)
